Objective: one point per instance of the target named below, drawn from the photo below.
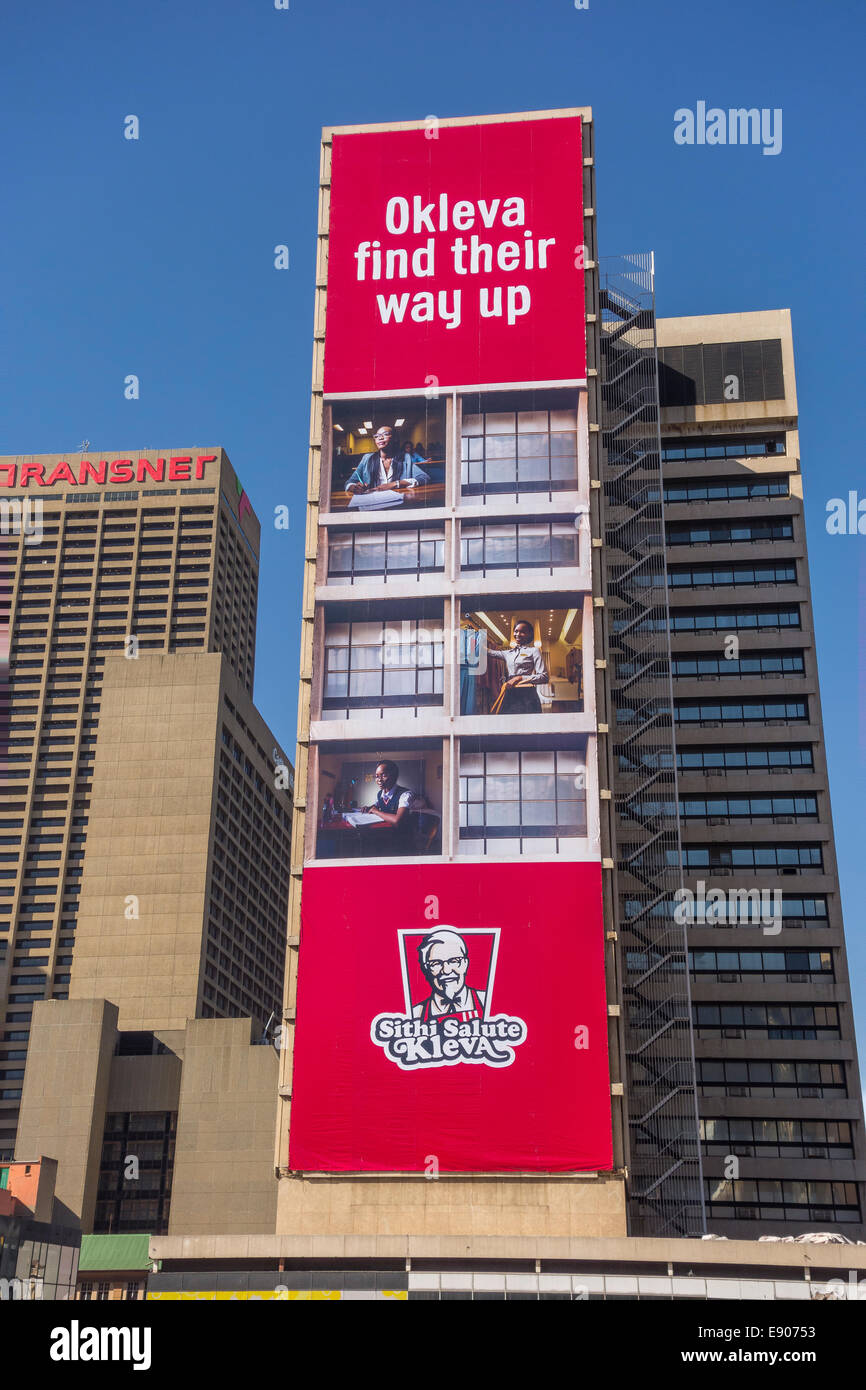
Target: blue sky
(155, 257)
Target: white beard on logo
(450, 990)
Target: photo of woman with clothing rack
(523, 669)
(537, 669)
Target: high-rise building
(479, 508)
(147, 820)
(777, 1077)
(452, 1008)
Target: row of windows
(714, 448)
(811, 1080)
(363, 666)
(798, 1022)
(726, 620)
(767, 664)
(778, 1138)
(750, 905)
(738, 712)
(523, 794)
(723, 576)
(90, 1292)
(524, 450)
(771, 962)
(728, 532)
(723, 489)
(761, 962)
(413, 550)
(776, 1200)
(774, 757)
(401, 550)
(792, 857)
(726, 807)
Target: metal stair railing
(665, 1186)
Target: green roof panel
(113, 1252)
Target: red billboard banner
(451, 1018)
(456, 257)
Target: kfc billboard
(456, 257)
(451, 1015)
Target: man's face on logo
(446, 968)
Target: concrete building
(155, 858)
(39, 1249)
(725, 1041)
(777, 1077)
(490, 540)
(139, 556)
(517, 1268)
(655, 546)
(113, 1268)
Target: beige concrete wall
(224, 1179)
(64, 1097)
(147, 839)
(727, 1255)
(383, 1206)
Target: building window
(793, 1022)
(738, 712)
(777, 1138)
(714, 448)
(724, 619)
(723, 576)
(140, 1203)
(768, 1199)
(378, 666)
(728, 532)
(724, 489)
(780, 1079)
(518, 451)
(357, 555)
(547, 545)
(776, 758)
(508, 798)
(696, 667)
(718, 810)
(768, 964)
(787, 858)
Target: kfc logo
(448, 993)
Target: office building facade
(737, 1005)
(778, 1084)
(497, 529)
(146, 830)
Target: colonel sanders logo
(448, 991)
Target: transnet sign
(456, 258)
(451, 1018)
(181, 468)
